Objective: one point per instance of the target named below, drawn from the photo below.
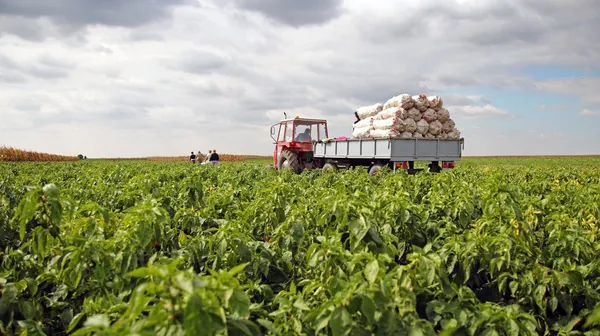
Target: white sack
(389, 133)
(417, 135)
(443, 115)
(369, 111)
(454, 134)
(392, 112)
(406, 135)
(448, 126)
(435, 128)
(387, 124)
(414, 114)
(404, 100)
(409, 125)
(363, 123)
(435, 101)
(422, 127)
(361, 133)
(421, 102)
(430, 115)
(442, 135)
(429, 136)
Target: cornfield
(16, 155)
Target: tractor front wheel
(290, 160)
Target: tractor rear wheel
(375, 169)
(290, 160)
(329, 166)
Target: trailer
(302, 143)
(394, 153)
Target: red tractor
(294, 142)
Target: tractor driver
(304, 136)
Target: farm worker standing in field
(207, 157)
(199, 157)
(193, 157)
(213, 158)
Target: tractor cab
(294, 142)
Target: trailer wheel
(434, 167)
(290, 160)
(375, 169)
(329, 167)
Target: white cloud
(193, 74)
(590, 112)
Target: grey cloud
(294, 12)
(45, 68)
(201, 62)
(128, 13)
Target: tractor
(294, 140)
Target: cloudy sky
(117, 78)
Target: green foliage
(150, 248)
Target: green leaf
(593, 318)
(368, 309)
(237, 327)
(237, 269)
(139, 272)
(538, 295)
(75, 321)
(27, 309)
(358, 228)
(575, 278)
(371, 271)
(301, 305)
(144, 234)
(196, 320)
(553, 303)
(98, 320)
(239, 304)
(340, 322)
(267, 324)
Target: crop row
(168, 248)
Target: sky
(137, 78)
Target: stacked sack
(405, 116)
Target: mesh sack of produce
(390, 123)
(454, 134)
(422, 127)
(369, 111)
(435, 127)
(442, 135)
(435, 101)
(404, 100)
(361, 133)
(392, 112)
(421, 102)
(443, 115)
(429, 136)
(430, 115)
(384, 133)
(417, 135)
(448, 126)
(363, 123)
(409, 125)
(406, 135)
(414, 114)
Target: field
(493, 247)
